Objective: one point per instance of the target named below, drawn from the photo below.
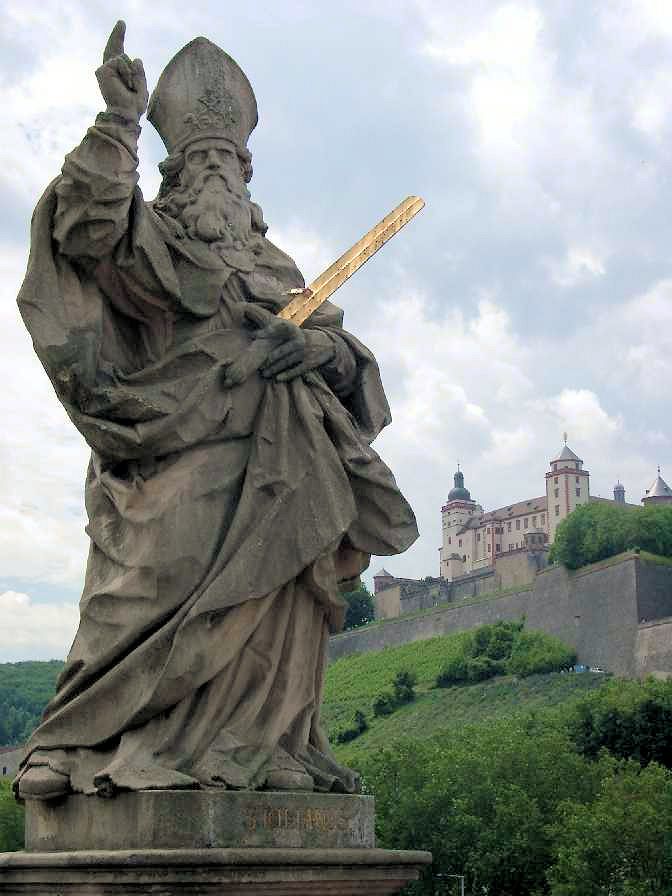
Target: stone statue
(223, 509)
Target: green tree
(360, 607)
(597, 531)
(479, 799)
(632, 720)
(621, 843)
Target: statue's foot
(288, 779)
(42, 783)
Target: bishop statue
(227, 502)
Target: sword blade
(303, 305)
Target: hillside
(352, 683)
(25, 689)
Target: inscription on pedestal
(285, 818)
(163, 819)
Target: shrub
(536, 652)
(454, 672)
(384, 704)
(404, 687)
(495, 641)
(479, 668)
(504, 647)
(360, 725)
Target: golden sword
(305, 301)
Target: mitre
(202, 92)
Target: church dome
(459, 492)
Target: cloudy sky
(533, 295)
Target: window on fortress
(543, 519)
(557, 510)
(578, 479)
(498, 547)
(489, 547)
(534, 522)
(459, 544)
(557, 493)
(508, 527)
(517, 524)
(578, 493)
(478, 536)
(449, 541)
(525, 523)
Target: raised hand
(121, 80)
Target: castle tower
(381, 580)
(567, 486)
(619, 493)
(456, 550)
(658, 492)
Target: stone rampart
(653, 652)
(602, 611)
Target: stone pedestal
(201, 872)
(202, 819)
(194, 843)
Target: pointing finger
(115, 42)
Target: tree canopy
(360, 607)
(598, 530)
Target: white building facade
(473, 539)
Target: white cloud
(42, 457)
(579, 413)
(34, 630)
(311, 252)
(507, 38)
(578, 266)
(638, 335)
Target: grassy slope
(353, 682)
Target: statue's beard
(214, 211)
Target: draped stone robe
(220, 520)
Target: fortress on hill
(616, 614)
(488, 551)
(474, 539)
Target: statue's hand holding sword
(281, 349)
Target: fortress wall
(653, 652)
(654, 591)
(475, 584)
(594, 610)
(441, 621)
